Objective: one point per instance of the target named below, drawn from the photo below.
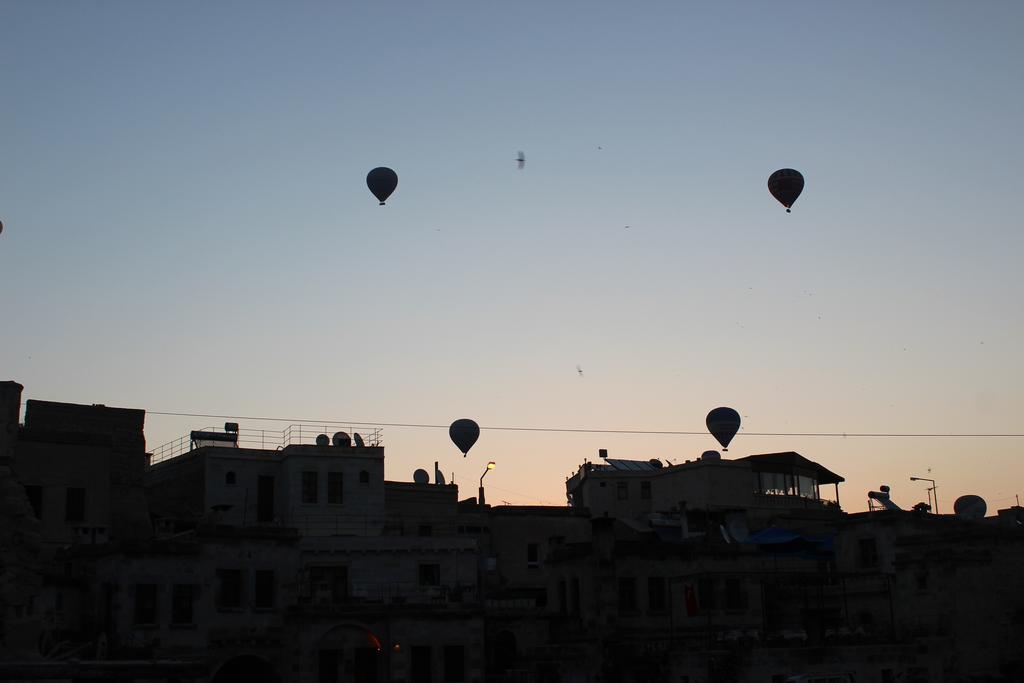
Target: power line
(575, 430)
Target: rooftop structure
(769, 482)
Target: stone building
(82, 469)
(224, 557)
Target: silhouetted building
(243, 555)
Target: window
(868, 553)
(329, 585)
(623, 490)
(421, 664)
(263, 589)
(706, 593)
(807, 487)
(145, 603)
(264, 498)
(229, 588)
(230, 479)
(735, 594)
(74, 505)
(627, 594)
(182, 596)
(656, 594)
(334, 488)
(645, 490)
(309, 487)
(425, 530)
(774, 483)
(364, 477)
(430, 575)
(532, 555)
(35, 499)
(454, 664)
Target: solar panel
(630, 465)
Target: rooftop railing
(265, 439)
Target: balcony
(261, 439)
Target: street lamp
(490, 466)
(931, 491)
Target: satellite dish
(439, 477)
(710, 455)
(464, 434)
(341, 439)
(655, 463)
(736, 525)
(723, 423)
(421, 477)
(322, 440)
(970, 507)
(358, 439)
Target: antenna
(932, 491)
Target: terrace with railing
(263, 439)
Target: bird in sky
(579, 370)
(521, 160)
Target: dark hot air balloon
(786, 185)
(723, 423)
(464, 434)
(382, 181)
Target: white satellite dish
(736, 525)
(421, 477)
(970, 507)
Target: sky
(187, 227)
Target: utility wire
(573, 430)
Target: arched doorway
(248, 668)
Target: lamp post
(490, 466)
(932, 490)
